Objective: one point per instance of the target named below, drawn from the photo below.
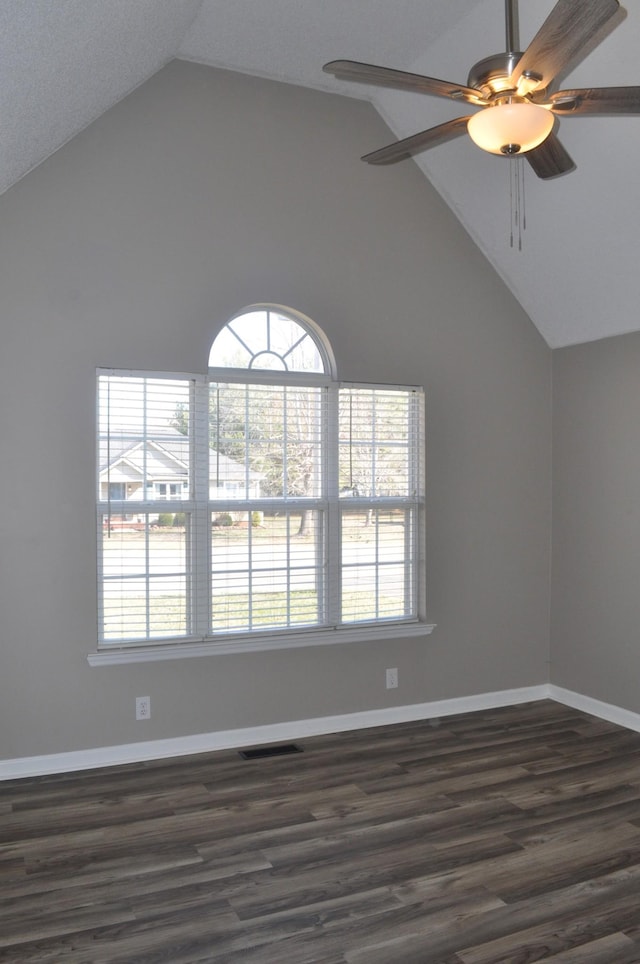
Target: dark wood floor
(509, 835)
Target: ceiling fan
(518, 112)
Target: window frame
(330, 501)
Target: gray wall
(201, 193)
(596, 516)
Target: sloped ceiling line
(65, 62)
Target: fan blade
(550, 159)
(400, 80)
(401, 150)
(596, 100)
(566, 31)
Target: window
(168, 490)
(117, 490)
(273, 505)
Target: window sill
(250, 644)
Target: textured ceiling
(64, 62)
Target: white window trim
(156, 650)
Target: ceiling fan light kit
(510, 128)
(517, 109)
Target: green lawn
(237, 612)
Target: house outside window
(272, 504)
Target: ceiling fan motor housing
(491, 75)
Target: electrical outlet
(143, 707)
(392, 679)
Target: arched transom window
(268, 338)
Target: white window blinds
(255, 507)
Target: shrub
(179, 519)
(224, 519)
(165, 519)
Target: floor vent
(263, 751)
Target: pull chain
(522, 194)
(511, 199)
(518, 208)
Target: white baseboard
(257, 735)
(297, 729)
(604, 711)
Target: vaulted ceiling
(64, 62)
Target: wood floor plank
(561, 935)
(506, 931)
(322, 880)
(612, 949)
(507, 835)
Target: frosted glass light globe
(510, 128)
